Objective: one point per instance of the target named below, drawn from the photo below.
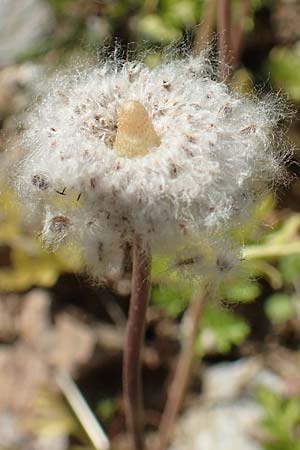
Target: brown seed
(188, 152)
(93, 183)
(224, 264)
(189, 261)
(167, 85)
(59, 223)
(117, 166)
(249, 129)
(100, 251)
(226, 109)
(40, 181)
(183, 228)
(173, 170)
(191, 139)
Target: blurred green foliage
(54, 417)
(284, 67)
(171, 299)
(106, 409)
(281, 420)
(267, 260)
(221, 330)
(280, 307)
(239, 290)
(289, 267)
(25, 263)
(166, 22)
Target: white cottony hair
(216, 156)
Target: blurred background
(245, 388)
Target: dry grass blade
(83, 412)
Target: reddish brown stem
(132, 388)
(180, 381)
(224, 38)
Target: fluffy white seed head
(167, 153)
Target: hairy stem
(180, 380)
(224, 38)
(132, 388)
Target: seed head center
(136, 135)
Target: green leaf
(225, 327)
(279, 307)
(258, 214)
(106, 409)
(171, 299)
(289, 266)
(269, 400)
(239, 290)
(181, 13)
(159, 267)
(154, 28)
(284, 67)
(281, 420)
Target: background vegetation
(259, 311)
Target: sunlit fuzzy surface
(215, 156)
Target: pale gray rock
(228, 416)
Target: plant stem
(177, 390)
(206, 27)
(224, 38)
(238, 31)
(271, 251)
(194, 313)
(132, 388)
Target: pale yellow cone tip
(136, 135)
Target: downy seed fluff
(167, 153)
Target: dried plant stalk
(177, 390)
(206, 27)
(238, 31)
(224, 38)
(132, 386)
